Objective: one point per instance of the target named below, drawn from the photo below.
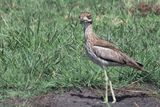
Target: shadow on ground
(86, 98)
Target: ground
(90, 97)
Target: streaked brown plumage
(103, 52)
(112, 54)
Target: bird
(104, 53)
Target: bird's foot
(114, 101)
(105, 101)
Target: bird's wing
(116, 56)
(108, 54)
(106, 44)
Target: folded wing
(115, 56)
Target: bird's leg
(106, 86)
(112, 91)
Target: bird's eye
(89, 17)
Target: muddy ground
(88, 97)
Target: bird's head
(85, 17)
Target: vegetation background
(41, 44)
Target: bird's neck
(88, 31)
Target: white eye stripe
(85, 18)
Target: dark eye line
(89, 17)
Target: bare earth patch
(87, 97)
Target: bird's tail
(138, 66)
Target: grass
(41, 45)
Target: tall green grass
(41, 45)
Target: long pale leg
(112, 91)
(106, 93)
